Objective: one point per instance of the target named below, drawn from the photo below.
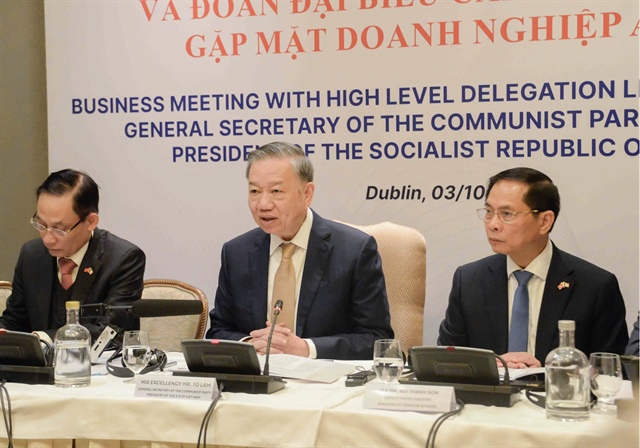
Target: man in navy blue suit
(521, 207)
(341, 303)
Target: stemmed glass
(388, 360)
(136, 352)
(606, 379)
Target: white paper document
(515, 374)
(319, 370)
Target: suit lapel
(496, 301)
(554, 302)
(318, 253)
(259, 274)
(89, 267)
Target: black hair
(84, 188)
(542, 195)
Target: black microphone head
(165, 308)
(93, 310)
(278, 306)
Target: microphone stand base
(501, 396)
(249, 384)
(26, 374)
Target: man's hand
(283, 341)
(520, 360)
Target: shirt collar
(301, 239)
(78, 256)
(538, 267)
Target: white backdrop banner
(405, 107)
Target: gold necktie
(284, 286)
(67, 266)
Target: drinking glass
(606, 379)
(136, 352)
(388, 360)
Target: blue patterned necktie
(519, 332)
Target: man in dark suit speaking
(335, 301)
(511, 302)
(72, 260)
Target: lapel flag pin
(89, 271)
(563, 285)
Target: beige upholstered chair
(166, 333)
(5, 292)
(404, 261)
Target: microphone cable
(48, 351)
(538, 400)
(506, 380)
(157, 361)
(431, 439)
(207, 416)
(8, 420)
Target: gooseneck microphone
(139, 308)
(145, 308)
(276, 312)
(165, 308)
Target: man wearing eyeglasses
(72, 260)
(511, 302)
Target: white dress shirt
(301, 240)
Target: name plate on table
(409, 397)
(182, 388)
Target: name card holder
(172, 387)
(409, 397)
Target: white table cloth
(107, 415)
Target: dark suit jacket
(116, 278)
(342, 305)
(478, 314)
(632, 346)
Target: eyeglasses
(503, 215)
(57, 232)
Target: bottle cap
(72, 305)
(566, 325)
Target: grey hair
(282, 150)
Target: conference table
(106, 414)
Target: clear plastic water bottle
(567, 378)
(72, 362)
